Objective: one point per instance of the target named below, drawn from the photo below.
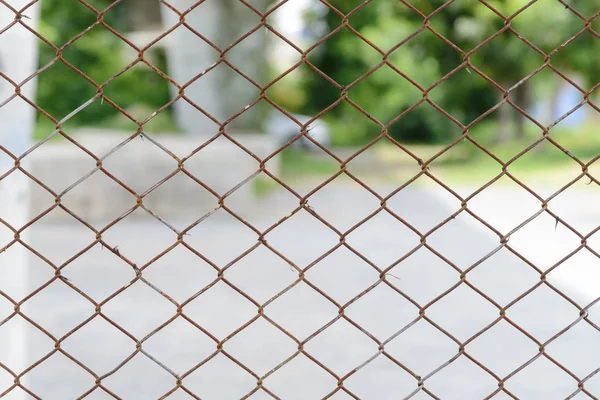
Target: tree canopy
(426, 58)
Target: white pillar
(18, 60)
(222, 92)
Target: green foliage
(100, 55)
(426, 58)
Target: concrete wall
(140, 165)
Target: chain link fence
(308, 345)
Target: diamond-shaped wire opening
(99, 345)
(342, 275)
(98, 272)
(422, 276)
(180, 345)
(396, 23)
(302, 227)
(504, 276)
(574, 133)
(430, 204)
(381, 378)
(463, 166)
(36, 269)
(547, 16)
(286, 91)
(19, 183)
(374, 311)
(495, 204)
(71, 380)
(301, 311)
(528, 382)
(139, 309)
(153, 106)
(180, 199)
(270, 346)
(391, 102)
(241, 19)
(419, 355)
(577, 349)
(419, 65)
(497, 65)
(365, 56)
(189, 273)
(210, 306)
(419, 122)
(223, 153)
(341, 347)
(502, 349)
(462, 379)
(542, 313)
(241, 51)
(58, 309)
(220, 377)
(325, 202)
(463, 240)
(290, 380)
(272, 203)
(473, 313)
(208, 237)
(123, 236)
(58, 74)
(99, 71)
(382, 165)
(78, 164)
(371, 239)
(578, 277)
(544, 242)
(83, 199)
(140, 375)
(37, 343)
(247, 93)
(261, 274)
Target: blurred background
(402, 280)
(431, 62)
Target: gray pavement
(385, 314)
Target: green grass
(465, 163)
(263, 186)
(468, 163)
(298, 163)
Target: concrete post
(18, 60)
(222, 92)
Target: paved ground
(383, 312)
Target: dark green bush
(99, 54)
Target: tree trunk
(223, 92)
(523, 100)
(505, 119)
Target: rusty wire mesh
(303, 203)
